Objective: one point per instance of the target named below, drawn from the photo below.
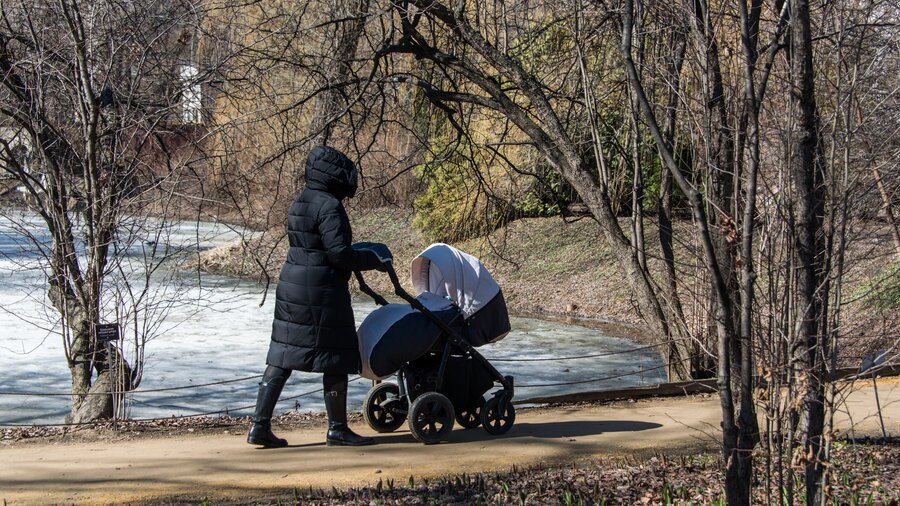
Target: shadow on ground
(546, 430)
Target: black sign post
(107, 332)
(107, 337)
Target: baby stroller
(429, 343)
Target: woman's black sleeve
(336, 237)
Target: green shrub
(467, 192)
(883, 291)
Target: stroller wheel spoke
(470, 417)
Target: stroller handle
(395, 281)
(379, 300)
(398, 288)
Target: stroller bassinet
(429, 342)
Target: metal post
(878, 404)
(110, 347)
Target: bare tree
(100, 95)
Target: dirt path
(224, 466)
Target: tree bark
(807, 237)
(748, 432)
(719, 158)
(671, 297)
(637, 181)
(808, 187)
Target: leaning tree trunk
(888, 209)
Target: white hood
(444, 270)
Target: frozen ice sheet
(218, 331)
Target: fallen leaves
(861, 471)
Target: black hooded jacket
(314, 328)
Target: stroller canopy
(446, 271)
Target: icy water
(215, 329)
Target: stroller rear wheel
(470, 417)
(431, 418)
(383, 409)
(497, 420)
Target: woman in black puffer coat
(314, 329)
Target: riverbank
(594, 451)
(552, 268)
(545, 268)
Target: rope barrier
(132, 392)
(577, 357)
(226, 412)
(256, 376)
(580, 382)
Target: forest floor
(632, 452)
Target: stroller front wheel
(383, 409)
(431, 418)
(496, 418)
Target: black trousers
(331, 382)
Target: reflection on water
(218, 331)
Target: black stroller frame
(431, 414)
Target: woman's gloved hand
(379, 250)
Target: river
(216, 329)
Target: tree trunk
(349, 20)
(748, 424)
(736, 485)
(809, 249)
(664, 209)
(637, 182)
(720, 160)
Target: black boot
(339, 434)
(261, 429)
